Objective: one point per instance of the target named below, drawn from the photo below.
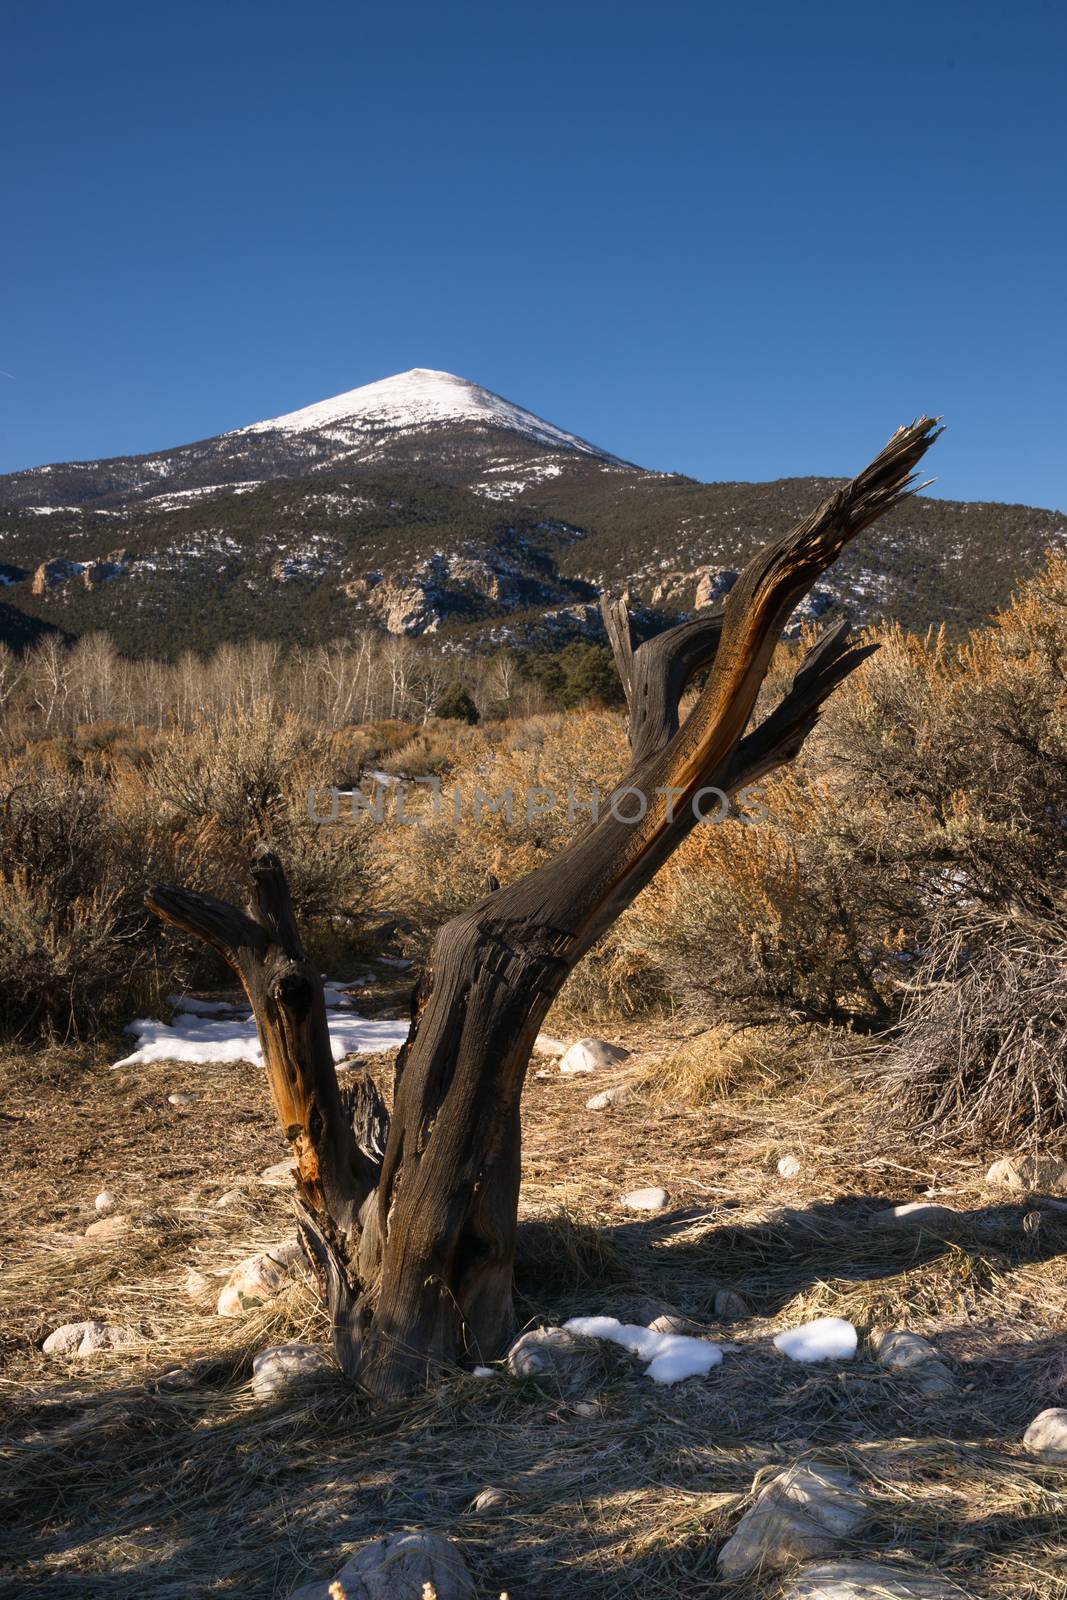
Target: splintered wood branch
(779, 737)
(418, 1270)
(337, 1139)
(615, 612)
(448, 1196)
(655, 674)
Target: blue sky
(735, 242)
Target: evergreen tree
(457, 704)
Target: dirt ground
(154, 1471)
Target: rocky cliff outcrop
(472, 582)
(60, 570)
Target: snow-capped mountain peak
(418, 399)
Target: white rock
(788, 1166)
(1028, 1174)
(197, 1285)
(181, 1098)
(909, 1353)
(485, 1372)
(86, 1339)
(545, 1045)
(671, 1323)
(258, 1279)
(805, 1511)
(108, 1228)
(490, 1500)
(825, 1339)
(402, 1566)
(729, 1306)
(1046, 1437)
(645, 1199)
(105, 1201)
(541, 1351)
(607, 1098)
(867, 1580)
(590, 1055)
(919, 1214)
(280, 1176)
(290, 1366)
(232, 1197)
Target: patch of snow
(413, 400)
(670, 1357)
(176, 499)
(200, 1037)
(825, 1339)
(205, 1008)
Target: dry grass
(123, 1479)
(718, 1062)
(983, 1046)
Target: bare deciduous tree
(414, 1233)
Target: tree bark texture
(414, 1233)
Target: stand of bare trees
(55, 688)
(413, 1230)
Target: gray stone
(285, 1367)
(920, 1214)
(280, 1176)
(867, 1580)
(80, 1339)
(399, 1567)
(197, 1285)
(1046, 1437)
(805, 1511)
(545, 1045)
(909, 1353)
(591, 1055)
(258, 1279)
(670, 1322)
(181, 1098)
(490, 1500)
(541, 1351)
(645, 1200)
(556, 1358)
(108, 1228)
(607, 1098)
(729, 1306)
(1029, 1174)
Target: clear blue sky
(739, 242)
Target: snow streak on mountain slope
(418, 399)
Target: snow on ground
(412, 400)
(177, 499)
(671, 1357)
(825, 1339)
(207, 1030)
(205, 1008)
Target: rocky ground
(150, 1453)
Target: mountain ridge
(425, 504)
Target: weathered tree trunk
(416, 1246)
